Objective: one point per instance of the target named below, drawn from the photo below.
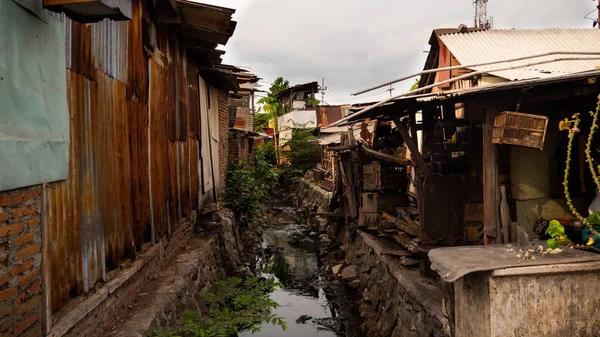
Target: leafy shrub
(244, 193)
(303, 152)
(234, 306)
(249, 185)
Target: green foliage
(415, 85)
(249, 185)
(557, 235)
(594, 219)
(265, 153)
(271, 103)
(244, 193)
(234, 305)
(261, 121)
(302, 152)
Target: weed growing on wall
(234, 305)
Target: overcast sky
(355, 44)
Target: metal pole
(430, 71)
(462, 77)
(275, 127)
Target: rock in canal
(349, 273)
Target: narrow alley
(209, 168)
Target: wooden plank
(342, 147)
(412, 146)
(403, 225)
(382, 202)
(385, 157)
(490, 180)
(46, 270)
(504, 215)
(348, 190)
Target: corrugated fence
(133, 172)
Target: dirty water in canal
(290, 254)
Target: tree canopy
(271, 103)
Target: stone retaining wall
(395, 301)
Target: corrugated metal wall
(133, 173)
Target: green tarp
(34, 116)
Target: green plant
(249, 185)
(557, 235)
(234, 305)
(302, 151)
(572, 126)
(244, 193)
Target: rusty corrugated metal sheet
(193, 103)
(114, 153)
(134, 168)
(138, 139)
(79, 42)
(137, 66)
(328, 114)
(160, 105)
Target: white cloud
(357, 43)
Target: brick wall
(234, 147)
(223, 136)
(20, 263)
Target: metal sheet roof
(496, 45)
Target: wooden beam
(385, 157)
(46, 276)
(412, 146)
(491, 188)
(342, 147)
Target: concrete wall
(20, 262)
(549, 300)
(532, 181)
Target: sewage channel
(291, 256)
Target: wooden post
(46, 276)
(412, 146)
(491, 188)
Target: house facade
(114, 136)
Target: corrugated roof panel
(496, 45)
(109, 48)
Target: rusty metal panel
(194, 172)
(115, 168)
(138, 138)
(328, 114)
(182, 95)
(76, 260)
(79, 42)
(160, 105)
(194, 104)
(109, 48)
(137, 67)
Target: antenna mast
(482, 20)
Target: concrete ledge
(160, 303)
(68, 321)
(99, 309)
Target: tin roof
(496, 45)
(305, 87)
